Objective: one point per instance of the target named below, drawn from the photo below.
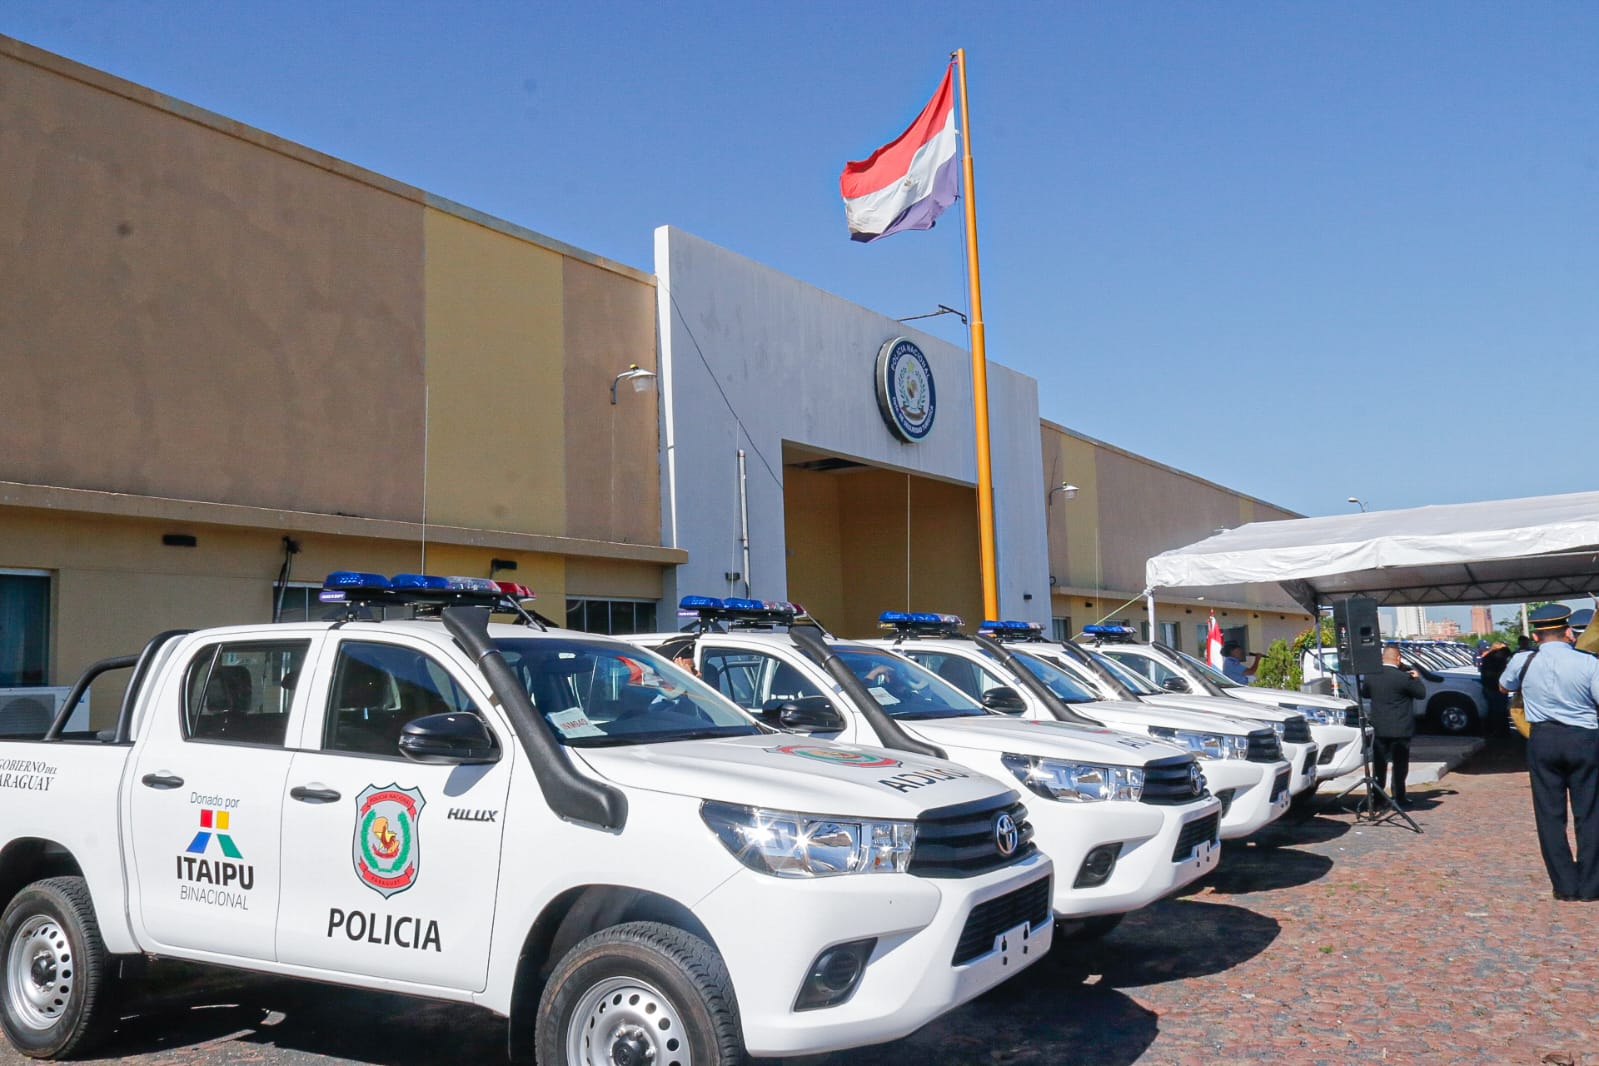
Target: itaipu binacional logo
(386, 850)
(905, 392)
(836, 756)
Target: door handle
(308, 794)
(161, 781)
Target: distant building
(1443, 630)
(1410, 621)
(1481, 620)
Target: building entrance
(863, 540)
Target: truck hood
(785, 771)
(1055, 740)
(1278, 696)
(1115, 713)
(1252, 710)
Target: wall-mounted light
(641, 379)
(179, 540)
(496, 565)
(1070, 490)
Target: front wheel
(57, 999)
(1454, 715)
(639, 994)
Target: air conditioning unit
(29, 711)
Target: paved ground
(1322, 941)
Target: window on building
(24, 628)
(297, 602)
(1061, 629)
(611, 616)
(1171, 635)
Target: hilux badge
(387, 847)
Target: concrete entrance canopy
(756, 361)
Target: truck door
(393, 866)
(761, 682)
(205, 798)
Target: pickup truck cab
(1318, 732)
(1242, 760)
(556, 826)
(1125, 818)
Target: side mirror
(452, 738)
(1174, 684)
(808, 714)
(1004, 700)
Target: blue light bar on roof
(1108, 631)
(699, 603)
(351, 579)
(413, 582)
(737, 603)
(919, 622)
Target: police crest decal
(387, 847)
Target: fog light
(1097, 866)
(1226, 796)
(834, 976)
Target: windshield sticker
(386, 849)
(211, 881)
(915, 779)
(883, 696)
(836, 756)
(27, 775)
(572, 722)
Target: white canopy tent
(1498, 551)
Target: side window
(242, 693)
(758, 682)
(956, 670)
(735, 674)
(1157, 672)
(377, 689)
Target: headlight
(1280, 728)
(1205, 745)
(1075, 782)
(804, 845)
(1321, 715)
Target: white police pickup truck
(1126, 818)
(1322, 731)
(1242, 760)
(556, 826)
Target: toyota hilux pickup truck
(1126, 818)
(556, 826)
(1242, 760)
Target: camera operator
(1393, 721)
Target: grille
(1029, 904)
(1264, 746)
(1280, 788)
(1296, 730)
(1195, 833)
(1171, 781)
(959, 841)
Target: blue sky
(1305, 250)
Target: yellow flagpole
(985, 472)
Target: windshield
(905, 689)
(595, 694)
(1059, 682)
(1129, 679)
(1207, 675)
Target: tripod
(1376, 805)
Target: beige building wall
(209, 330)
(1127, 509)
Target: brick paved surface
(1323, 941)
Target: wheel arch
(28, 859)
(567, 919)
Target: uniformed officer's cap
(1552, 616)
(1581, 619)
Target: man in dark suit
(1393, 721)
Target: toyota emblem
(1006, 835)
(1196, 780)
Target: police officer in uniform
(1560, 691)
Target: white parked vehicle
(1125, 818)
(559, 827)
(1323, 746)
(1242, 760)
(1454, 704)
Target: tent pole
(1321, 659)
(1149, 606)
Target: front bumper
(1344, 742)
(1302, 757)
(769, 931)
(1149, 866)
(1251, 805)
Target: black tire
(665, 990)
(1454, 716)
(56, 999)
(1082, 930)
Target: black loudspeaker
(1359, 639)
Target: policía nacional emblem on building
(905, 392)
(387, 849)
